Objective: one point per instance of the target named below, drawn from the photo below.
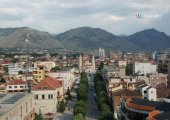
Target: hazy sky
(56, 16)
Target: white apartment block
(99, 52)
(20, 106)
(67, 77)
(144, 68)
(122, 63)
(14, 68)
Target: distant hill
(15, 37)
(85, 38)
(91, 38)
(149, 39)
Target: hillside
(91, 38)
(15, 37)
(149, 39)
(84, 38)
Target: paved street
(68, 114)
(92, 109)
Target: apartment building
(144, 68)
(39, 73)
(158, 80)
(66, 76)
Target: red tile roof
(49, 83)
(17, 82)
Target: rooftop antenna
(28, 60)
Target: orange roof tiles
(49, 83)
(17, 82)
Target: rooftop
(49, 83)
(125, 92)
(159, 105)
(17, 82)
(8, 101)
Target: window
(152, 92)
(145, 91)
(10, 86)
(21, 86)
(26, 108)
(58, 93)
(21, 111)
(31, 103)
(36, 97)
(15, 86)
(46, 88)
(43, 96)
(130, 79)
(145, 98)
(51, 96)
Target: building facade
(48, 93)
(20, 106)
(144, 68)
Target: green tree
(62, 106)
(82, 94)
(38, 116)
(79, 109)
(2, 80)
(15, 60)
(101, 66)
(129, 69)
(78, 117)
(68, 94)
(106, 115)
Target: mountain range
(84, 38)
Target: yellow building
(40, 73)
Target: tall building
(99, 52)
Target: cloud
(55, 16)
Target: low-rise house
(148, 92)
(17, 86)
